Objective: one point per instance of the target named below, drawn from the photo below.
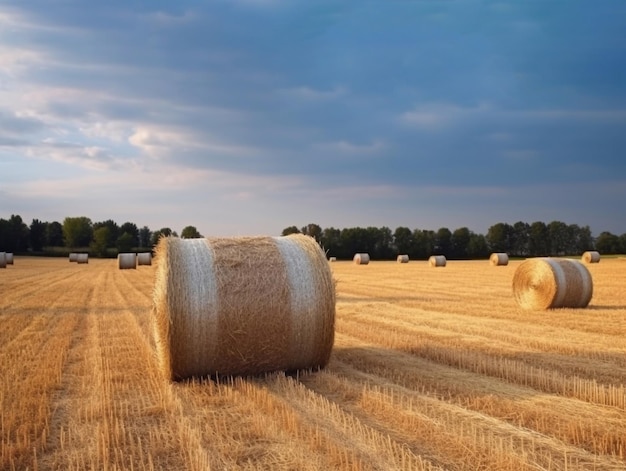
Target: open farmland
(432, 368)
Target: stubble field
(432, 368)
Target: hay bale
(82, 258)
(332, 259)
(73, 256)
(3, 260)
(361, 258)
(238, 306)
(126, 261)
(144, 258)
(499, 259)
(437, 261)
(546, 283)
(591, 256)
(8, 257)
(402, 258)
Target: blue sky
(243, 117)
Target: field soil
(432, 369)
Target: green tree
(163, 232)
(113, 231)
(499, 237)
(144, 237)
(443, 241)
(190, 232)
(77, 231)
(538, 239)
(460, 243)
(331, 241)
(125, 242)
(131, 229)
(608, 243)
(520, 239)
(558, 234)
(54, 234)
(314, 231)
(403, 240)
(100, 241)
(37, 234)
(290, 230)
(477, 246)
(424, 244)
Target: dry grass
(431, 369)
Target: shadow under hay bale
(240, 306)
(499, 259)
(127, 261)
(591, 256)
(361, 258)
(546, 283)
(437, 261)
(402, 258)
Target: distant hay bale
(361, 258)
(126, 261)
(144, 258)
(73, 257)
(239, 306)
(3, 260)
(402, 258)
(499, 259)
(332, 259)
(591, 257)
(437, 261)
(546, 283)
(82, 258)
(8, 258)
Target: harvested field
(431, 369)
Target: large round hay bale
(545, 283)
(361, 258)
(3, 260)
(238, 306)
(144, 258)
(8, 257)
(498, 259)
(332, 259)
(402, 258)
(73, 256)
(591, 256)
(126, 261)
(82, 258)
(437, 261)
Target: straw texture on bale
(499, 259)
(437, 261)
(144, 258)
(591, 257)
(126, 261)
(403, 258)
(332, 259)
(546, 283)
(73, 256)
(3, 260)
(361, 258)
(82, 258)
(240, 306)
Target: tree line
(521, 239)
(101, 238)
(107, 238)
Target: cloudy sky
(243, 117)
